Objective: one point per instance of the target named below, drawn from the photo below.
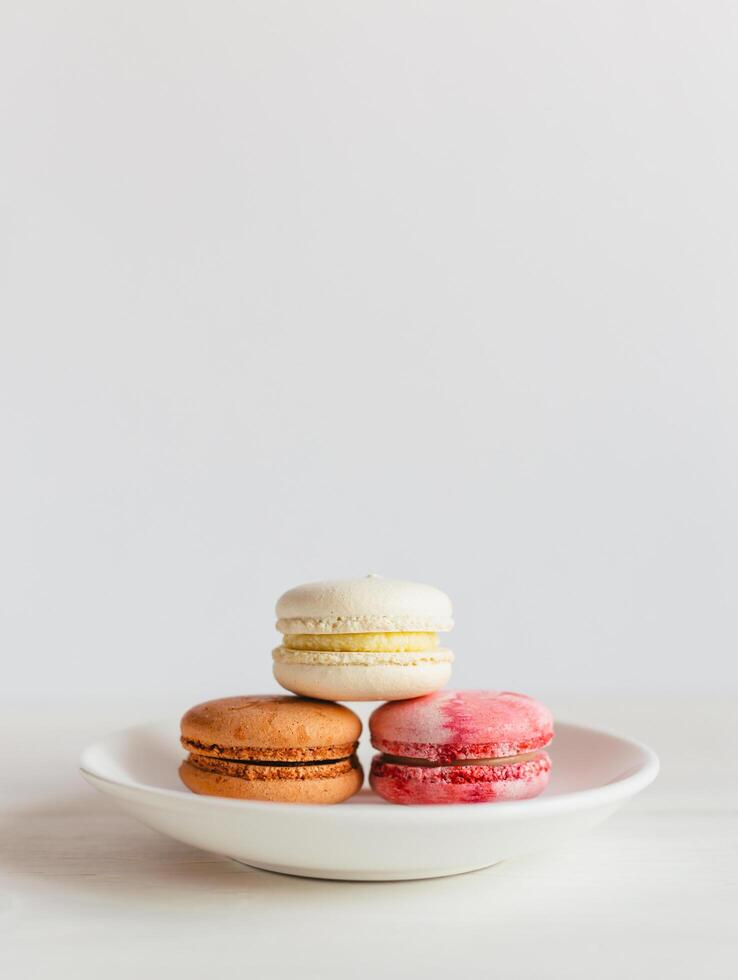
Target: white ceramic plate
(367, 839)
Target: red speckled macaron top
(451, 725)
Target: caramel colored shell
(270, 727)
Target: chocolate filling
(254, 771)
(263, 762)
(262, 756)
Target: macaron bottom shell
(381, 682)
(416, 784)
(309, 784)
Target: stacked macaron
(369, 639)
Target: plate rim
(623, 787)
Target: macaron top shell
(271, 727)
(450, 725)
(364, 605)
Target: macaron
(272, 747)
(461, 747)
(364, 639)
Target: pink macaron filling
(452, 751)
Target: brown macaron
(272, 747)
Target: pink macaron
(461, 747)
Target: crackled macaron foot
(369, 639)
(461, 747)
(272, 747)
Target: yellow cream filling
(362, 642)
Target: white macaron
(367, 639)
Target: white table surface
(87, 892)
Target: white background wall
(440, 290)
